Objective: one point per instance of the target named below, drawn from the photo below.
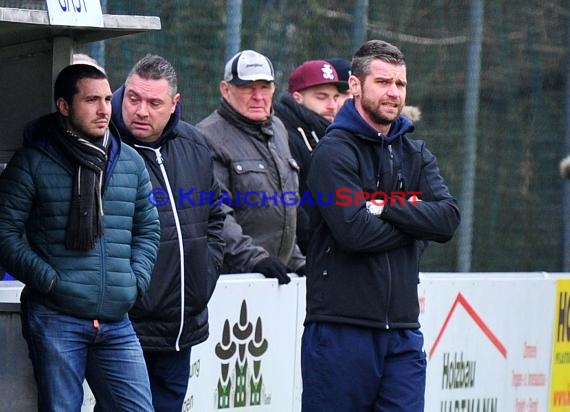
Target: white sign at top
(75, 13)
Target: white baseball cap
(248, 66)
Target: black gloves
(302, 271)
(271, 267)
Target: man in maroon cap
(306, 110)
(343, 69)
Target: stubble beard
(373, 110)
(82, 131)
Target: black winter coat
(195, 193)
(305, 128)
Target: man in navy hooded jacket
(173, 316)
(362, 349)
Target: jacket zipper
(103, 262)
(391, 158)
(160, 162)
(400, 180)
(328, 252)
(398, 187)
(389, 293)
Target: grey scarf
(90, 160)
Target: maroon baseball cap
(313, 73)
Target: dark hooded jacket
(35, 196)
(362, 269)
(180, 165)
(305, 128)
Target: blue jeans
(64, 348)
(354, 369)
(169, 373)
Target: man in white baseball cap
(248, 85)
(251, 155)
(247, 66)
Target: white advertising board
(489, 343)
(248, 362)
(85, 13)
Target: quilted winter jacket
(179, 161)
(362, 269)
(35, 192)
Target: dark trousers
(169, 373)
(354, 369)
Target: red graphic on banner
(460, 300)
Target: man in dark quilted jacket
(91, 237)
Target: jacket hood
(125, 134)
(293, 113)
(349, 119)
(36, 133)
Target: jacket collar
(261, 130)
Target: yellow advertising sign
(560, 381)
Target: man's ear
(298, 97)
(224, 89)
(176, 100)
(62, 106)
(354, 85)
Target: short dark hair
(372, 50)
(155, 67)
(66, 82)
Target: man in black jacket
(306, 110)
(362, 348)
(173, 316)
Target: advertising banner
(488, 343)
(560, 379)
(248, 362)
(494, 342)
